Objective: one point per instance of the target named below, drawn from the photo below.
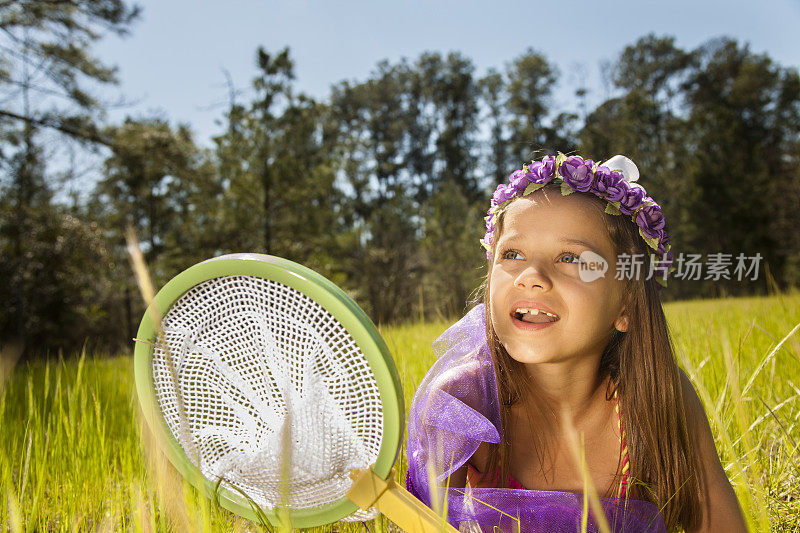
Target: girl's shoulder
(468, 378)
(693, 408)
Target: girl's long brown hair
(641, 366)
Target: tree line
(382, 186)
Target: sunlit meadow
(72, 458)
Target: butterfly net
(267, 392)
(454, 410)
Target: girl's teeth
(534, 312)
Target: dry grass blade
(169, 484)
(591, 498)
(168, 481)
(767, 359)
(770, 412)
(139, 266)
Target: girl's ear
(622, 322)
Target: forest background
(381, 186)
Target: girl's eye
(510, 254)
(570, 258)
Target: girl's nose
(532, 277)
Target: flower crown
(614, 181)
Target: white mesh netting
(253, 359)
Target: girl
(564, 345)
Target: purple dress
(454, 410)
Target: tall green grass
(72, 458)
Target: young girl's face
(536, 266)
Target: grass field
(71, 456)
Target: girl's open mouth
(529, 322)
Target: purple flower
(502, 193)
(518, 180)
(663, 242)
(634, 194)
(547, 170)
(577, 173)
(533, 172)
(607, 184)
(487, 241)
(651, 220)
(540, 173)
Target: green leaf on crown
(532, 187)
(612, 208)
(661, 281)
(566, 190)
(646, 203)
(651, 241)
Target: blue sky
(172, 63)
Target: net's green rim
(338, 304)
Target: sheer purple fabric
(456, 408)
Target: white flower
(628, 168)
